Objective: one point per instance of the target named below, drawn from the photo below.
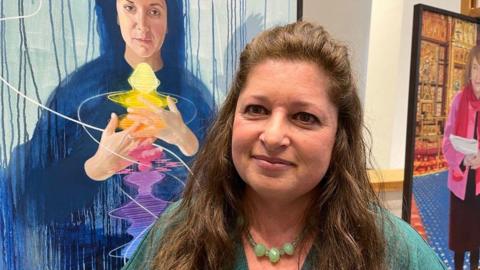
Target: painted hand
(166, 125)
(113, 152)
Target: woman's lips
(143, 40)
(272, 163)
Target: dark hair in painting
(204, 230)
(111, 41)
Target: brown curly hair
(203, 230)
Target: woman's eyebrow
(258, 97)
(162, 4)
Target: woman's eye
(255, 110)
(306, 118)
(154, 12)
(129, 8)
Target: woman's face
(475, 76)
(284, 129)
(143, 24)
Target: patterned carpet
(431, 197)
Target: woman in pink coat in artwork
(463, 176)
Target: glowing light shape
(143, 78)
(143, 210)
(134, 99)
(138, 218)
(144, 84)
(146, 155)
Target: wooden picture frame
(441, 44)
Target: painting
(104, 104)
(440, 187)
(470, 7)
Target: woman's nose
(141, 21)
(275, 133)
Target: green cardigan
(405, 248)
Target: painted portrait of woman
(72, 57)
(54, 192)
(463, 174)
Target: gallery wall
(379, 34)
(350, 25)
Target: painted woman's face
(143, 24)
(475, 77)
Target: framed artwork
(439, 186)
(470, 8)
(65, 67)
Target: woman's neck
(155, 61)
(275, 222)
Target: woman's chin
(143, 53)
(476, 90)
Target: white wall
(387, 62)
(383, 79)
(388, 76)
(349, 22)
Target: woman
(143, 25)
(463, 176)
(284, 166)
(54, 198)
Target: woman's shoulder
(88, 79)
(457, 97)
(406, 249)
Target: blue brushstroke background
(38, 53)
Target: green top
(406, 250)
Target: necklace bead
(274, 254)
(260, 250)
(289, 249)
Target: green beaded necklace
(274, 254)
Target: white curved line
(85, 126)
(131, 243)
(186, 100)
(113, 152)
(110, 253)
(176, 178)
(136, 202)
(46, 108)
(24, 16)
(97, 141)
